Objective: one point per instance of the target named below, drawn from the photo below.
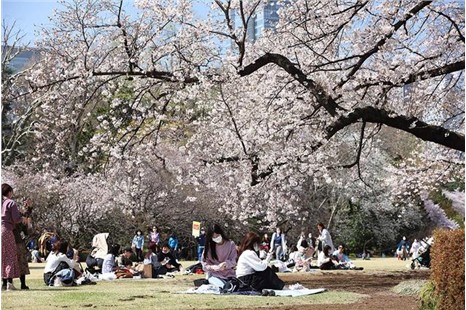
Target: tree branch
(381, 42)
(318, 91)
(411, 125)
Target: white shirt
(326, 239)
(53, 260)
(248, 263)
(322, 258)
(109, 262)
(415, 249)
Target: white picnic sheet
(212, 289)
(301, 292)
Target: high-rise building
(266, 17)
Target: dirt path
(376, 285)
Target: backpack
(196, 268)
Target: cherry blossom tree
(17, 111)
(268, 126)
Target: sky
(28, 15)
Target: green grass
(164, 293)
(410, 287)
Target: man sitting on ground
(343, 261)
(168, 261)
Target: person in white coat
(324, 237)
(278, 244)
(415, 247)
(252, 272)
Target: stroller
(424, 258)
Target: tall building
(266, 17)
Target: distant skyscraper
(266, 17)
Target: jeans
(200, 250)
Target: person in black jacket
(167, 261)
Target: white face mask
(256, 247)
(218, 239)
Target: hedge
(447, 261)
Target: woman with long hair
(324, 237)
(253, 272)
(57, 260)
(10, 217)
(325, 261)
(219, 258)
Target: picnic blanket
(212, 289)
(301, 292)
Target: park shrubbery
(446, 289)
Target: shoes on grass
(266, 292)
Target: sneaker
(266, 292)
(10, 287)
(24, 287)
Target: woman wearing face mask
(219, 257)
(253, 272)
(138, 244)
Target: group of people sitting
(308, 253)
(105, 262)
(232, 268)
(227, 266)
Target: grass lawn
(164, 293)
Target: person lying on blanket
(252, 272)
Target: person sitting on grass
(302, 257)
(219, 258)
(167, 261)
(124, 259)
(254, 273)
(343, 261)
(57, 261)
(324, 260)
(109, 265)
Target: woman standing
(138, 245)
(278, 244)
(219, 257)
(154, 239)
(324, 238)
(10, 217)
